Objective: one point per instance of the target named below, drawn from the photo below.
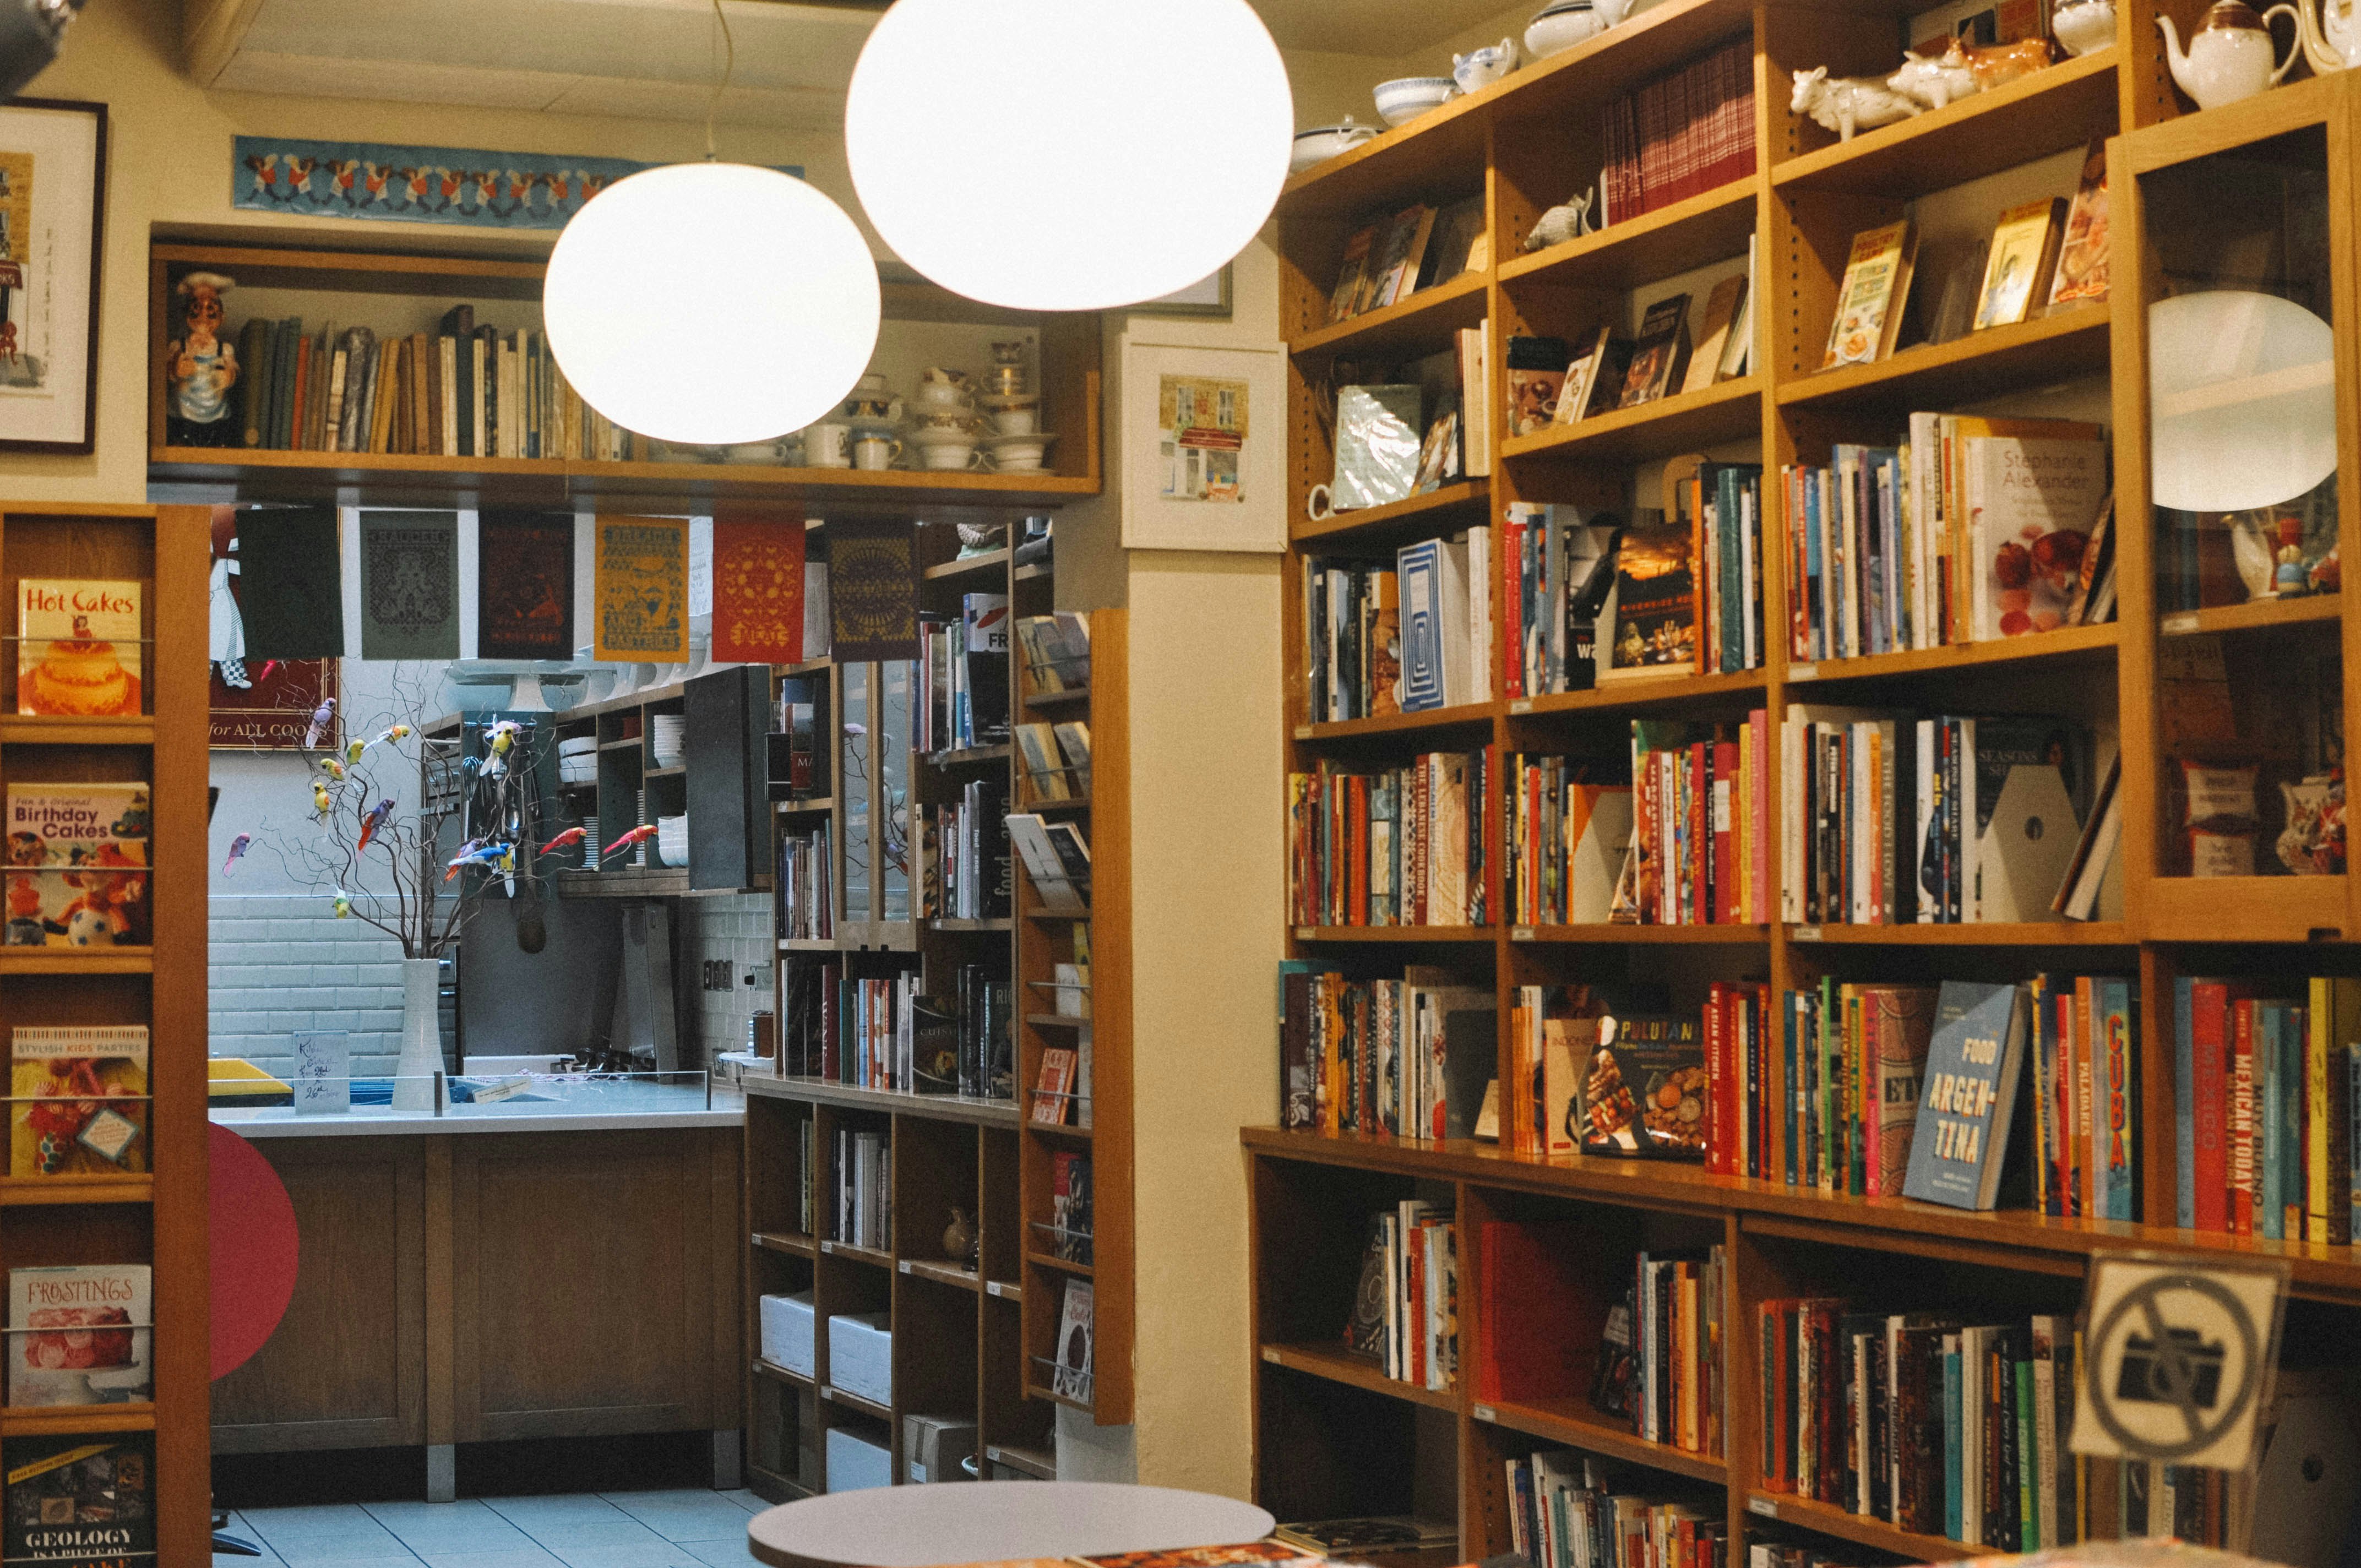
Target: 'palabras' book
(77, 867)
(77, 647)
(77, 1101)
(79, 1334)
(80, 1499)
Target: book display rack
(918, 988)
(153, 1213)
(2205, 673)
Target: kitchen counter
(550, 1106)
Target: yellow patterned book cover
(642, 589)
(77, 1101)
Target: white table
(915, 1527)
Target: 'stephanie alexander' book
(77, 866)
(1968, 1096)
(79, 1335)
(77, 1101)
(77, 647)
(80, 1499)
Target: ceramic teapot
(2231, 55)
(2332, 42)
(2085, 27)
(1480, 68)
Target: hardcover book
(1537, 371)
(79, 1335)
(1659, 354)
(1053, 1090)
(2024, 249)
(1714, 333)
(2033, 503)
(78, 647)
(1645, 1091)
(79, 1500)
(1352, 273)
(77, 1101)
(1869, 302)
(77, 865)
(1655, 603)
(1074, 1333)
(1898, 1021)
(2081, 276)
(1972, 1065)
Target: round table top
(993, 1521)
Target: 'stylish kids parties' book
(77, 1101)
(79, 1335)
(77, 866)
(77, 647)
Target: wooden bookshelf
(1335, 1436)
(159, 1217)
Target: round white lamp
(711, 302)
(1069, 155)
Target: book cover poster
(79, 1334)
(1655, 601)
(78, 1100)
(262, 705)
(409, 585)
(1203, 421)
(525, 585)
(1074, 1331)
(873, 589)
(78, 647)
(80, 1499)
(291, 595)
(1644, 1093)
(641, 589)
(1968, 1096)
(758, 590)
(2081, 277)
(77, 866)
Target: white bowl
(577, 745)
(1560, 26)
(1324, 142)
(1405, 98)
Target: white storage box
(860, 1356)
(854, 1463)
(788, 1331)
(932, 1447)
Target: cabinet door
(728, 835)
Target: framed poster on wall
(1204, 461)
(52, 203)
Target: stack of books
(1387, 260)
(1409, 846)
(1409, 1057)
(1701, 813)
(1681, 134)
(1569, 1510)
(2264, 1085)
(1405, 1315)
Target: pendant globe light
(1067, 155)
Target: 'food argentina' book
(78, 1100)
(1970, 1090)
(77, 647)
(79, 1334)
(77, 866)
(80, 1499)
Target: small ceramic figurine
(2332, 42)
(1936, 80)
(2231, 55)
(2288, 579)
(1569, 220)
(959, 1239)
(1847, 103)
(1479, 68)
(2085, 27)
(200, 366)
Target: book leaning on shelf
(78, 1100)
(81, 1499)
(1411, 846)
(1406, 1313)
(77, 648)
(77, 872)
(1408, 1058)
(80, 1334)
(1446, 615)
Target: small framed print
(1209, 296)
(1203, 456)
(52, 203)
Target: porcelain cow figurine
(1847, 103)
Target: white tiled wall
(737, 929)
(280, 964)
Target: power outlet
(719, 974)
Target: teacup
(1022, 421)
(1008, 353)
(1018, 456)
(945, 456)
(829, 446)
(875, 451)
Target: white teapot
(2333, 42)
(1479, 68)
(2231, 55)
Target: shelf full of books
(1873, 635)
(105, 1426)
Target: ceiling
(647, 58)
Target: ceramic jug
(2231, 55)
(2085, 27)
(2332, 41)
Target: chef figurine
(200, 366)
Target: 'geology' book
(79, 1500)
(1969, 1091)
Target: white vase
(421, 1035)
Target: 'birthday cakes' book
(77, 866)
(77, 1101)
(77, 647)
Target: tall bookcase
(1333, 1436)
(159, 1217)
(979, 1342)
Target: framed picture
(1208, 296)
(1203, 447)
(52, 200)
(258, 704)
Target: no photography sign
(2179, 1360)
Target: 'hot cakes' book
(77, 647)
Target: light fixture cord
(729, 65)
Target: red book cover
(1689, 121)
(1538, 1302)
(1493, 839)
(1512, 607)
(2209, 1028)
(2242, 1117)
(1356, 892)
(1701, 836)
(1726, 803)
(1414, 1320)
(1656, 152)
(1778, 1384)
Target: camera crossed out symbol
(2176, 1366)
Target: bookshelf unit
(1335, 1436)
(403, 293)
(970, 1343)
(159, 1217)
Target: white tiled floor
(611, 1530)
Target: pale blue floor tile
(721, 1553)
(577, 1508)
(662, 1555)
(332, 1550)
(322, 1519)
(745, 1499)
(684, 1516)
(529, 1556)
(566, 1540)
